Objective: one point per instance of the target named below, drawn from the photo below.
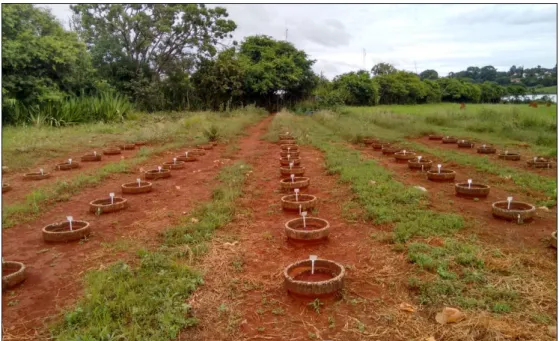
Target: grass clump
(205, 219)
(146, 303)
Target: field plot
(203, 256)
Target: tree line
(182, 57)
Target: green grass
(148, 302)
(504, 125)
(30, 146)
(547, 90)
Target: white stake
(439, 167)
(41, 170)
(291, 165)
(288, 148)
(404, 151)
(288, 156)
(535, 159)
(509, 199)
(483, 146)
(70, 161)
(292, 178)
(300, 208)
(186, 154)
(159, 169)
(70, 218)
(506, 152)
(94, 153)
(422, 168)
(419, 158)
(469, 183)
(312, 258)
(139, 182)
(296, 194)
(519, 221)
(112, 195)
(174, 160)
(304, 214)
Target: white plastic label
(292, 177)
(174, 160)
(112, 195)
(469, 183)
(70, 161)
(312, 258)
(159, 168)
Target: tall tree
(276, 69)
(383, 69)
(429, 74)
(41, 62)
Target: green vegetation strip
(148, 302)
(451, 272)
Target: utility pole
(364, 62)
(286, 34)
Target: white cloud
(442, 37)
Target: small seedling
(99, 211)
(316, 304)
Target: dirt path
(21, 187)
(521, 164)
(55, 271)
(442, 197)
(244, 298)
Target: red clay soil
(55, 271)
(256, 303)
(525, 155)
(21, 188)
(442, 197)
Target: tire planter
(298, 182)
(197, 152)
(486, 149)
(6, 188)
(369, 141)
(13, 273)
(435, 137)
(91, 157)
(288, 143)
(60, 232)
(449, 139)
(404, 157)
(105, 206)
(390, 150)
(465, 144)
(285, 137)
(140, 143)
(155, 174)
(474, 190)
(379, 145)
(207, 146)
(540, 162)
(519, 211)
(128, 146)
(290, 147)
(112, 151)
(444, 175)
(67, 166)
(509, 156)
(306, 202)
(554, 239)
(291, 152)
(298, 171)
(36, 176)
(316, 229)
(189, 158)
(133, 188)
(424, 164)
(285, 161)
(173, 165)
(328, 278)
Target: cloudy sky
(411, 37)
